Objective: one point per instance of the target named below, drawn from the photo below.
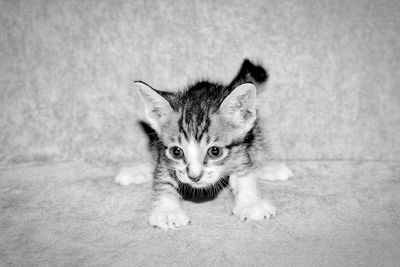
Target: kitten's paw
(255, 210)
(134, 175)
(275, 172)
(168, 218)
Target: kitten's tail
(250, 73)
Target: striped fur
(197, 119)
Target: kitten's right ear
(157, 108)
(238, 110)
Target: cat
(205, 138)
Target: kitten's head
(200, 128)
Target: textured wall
(67, 68)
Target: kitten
(207, 137)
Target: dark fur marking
(204, 194)
(249, 73)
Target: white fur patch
(254, 210)
(249, 206)
(193, 158)
(168, 217)
(274, 172)
(167, 214)
(134, 175)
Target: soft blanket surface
(333, 213)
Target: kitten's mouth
(199, 185)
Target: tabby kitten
(207, 136)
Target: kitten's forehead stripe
(203, 129)
(194, 122)
(195, 107)
(182, 129)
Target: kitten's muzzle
(194, 177)
(194, 173)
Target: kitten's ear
(239, 107)
(157, 108)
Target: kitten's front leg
(167, 212)
(248, 205)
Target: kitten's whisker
(155, 142)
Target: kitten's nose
(195, 179)
(194, 176)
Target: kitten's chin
(199, 185)
(203, 184)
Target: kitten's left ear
(157, 108)
(239, 107)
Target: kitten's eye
(176, 152)
(215, 152)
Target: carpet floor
(333, 213)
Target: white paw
(168, 218)
(275, 172)
(255, 210)
(134, 175)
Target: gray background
(332, 108)
(67, 69)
